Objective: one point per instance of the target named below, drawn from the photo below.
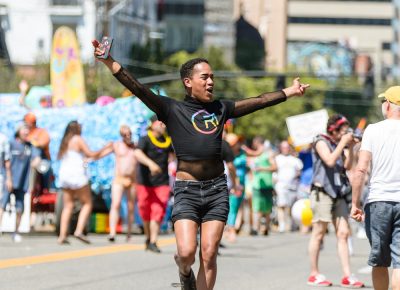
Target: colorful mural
(66, 74)
(322, 59)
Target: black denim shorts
(201, 201)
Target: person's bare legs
(211, 234)
(257, 221)
(131, 195)
(117, 191)
(146, 228)
(267, 221)
(154, 230)
(317, 235)
(396, 279)
(342, 229)
(1, 217)
(18, 217)
(85, 197)
(380, 278)
(186, 244)
(250, 214)
(240, 216)
(281, 219)
(68, 207)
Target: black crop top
(196, 127)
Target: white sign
(303, 128)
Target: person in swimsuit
(74, 180)
(124, 179)
(195, 126)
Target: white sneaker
(16, 238)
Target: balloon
(302, 213)
(104, 100)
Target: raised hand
(98, 49)
(297, 88)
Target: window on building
(66, 2)
(340, 21)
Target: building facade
(28, 27)
(362, 26)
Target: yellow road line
(70, 255)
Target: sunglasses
(384, 100)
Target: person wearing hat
(201, 197)
(152, 185)
(24, 156)
(330, 192)
(378, 152)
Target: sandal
(82, 238)
(63, 242)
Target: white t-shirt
(288, 168)
(383, 141)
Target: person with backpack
(330, 195)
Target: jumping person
(195, 126)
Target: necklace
(157, 143)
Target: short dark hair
(335, 122)
(186, 70)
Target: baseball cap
(30, 118)
(392, 94)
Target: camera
(357, 134)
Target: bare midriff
(199, 169)
(125, 160)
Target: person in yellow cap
(382, 206)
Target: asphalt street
(278, 261)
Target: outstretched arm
(250, 105)
(150, 99)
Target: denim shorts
(382, 225)
(201, 201)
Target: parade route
(278, 261)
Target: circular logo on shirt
(204, 122)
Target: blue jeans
(382, 225)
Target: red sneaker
(318, 281)
(352, 282)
